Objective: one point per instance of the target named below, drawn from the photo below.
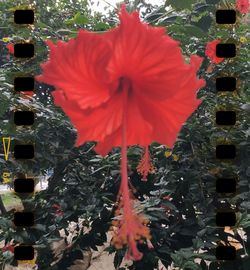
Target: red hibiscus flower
(242, 6)
(211, 51)
(10, 48)
(128, 86)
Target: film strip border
(23, 118)
(24, 84)
(224, 152)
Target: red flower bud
(10, 48)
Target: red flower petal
(242, 6)
(139, 131)
(27, 94)
(151, 65)
(147, 56)
(78, 68)
(10, 48)
(92, 124)
(210, 51)
(167, 117)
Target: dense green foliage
(85, 185)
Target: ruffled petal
(160, 121)
(139, 131)
(92, 124)
(147, 56)
(78, 68)
(167, 117)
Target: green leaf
(80, 19)
(169, 205)
(118, 258)
(207, 257)
(177, 259)
(95, 160)
(41, 24)
(169, 19)
(40, 227)
(212, 2)
(101, 26)
(114, 172)
(153, 17)
(18, 7)
(192, 30)
(191, 265)
(246, 107)
(204, 23)
(180, 4)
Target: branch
(2, 207)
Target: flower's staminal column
(124, 161)
(131, 227)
